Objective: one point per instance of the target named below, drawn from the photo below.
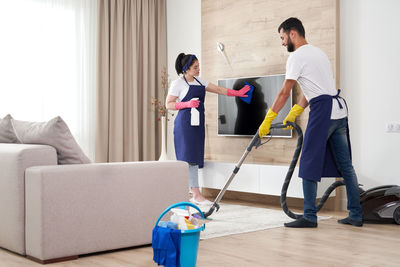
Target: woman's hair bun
(178, 63)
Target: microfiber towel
(166, 245)
(249, 94)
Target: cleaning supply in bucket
(184, 219)
(170, 225)
(175, 242)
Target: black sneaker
(301, 223)
(351, 221)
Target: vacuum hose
(291, 170)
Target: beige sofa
(53, 212)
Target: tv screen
(238, 118)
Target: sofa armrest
(84, 208)
(14, 159)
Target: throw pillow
(55, 133)
(7, 133)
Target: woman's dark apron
(189, 140)
(317, 157)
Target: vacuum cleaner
(379, 204)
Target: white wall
(369, 67)
(183, 35)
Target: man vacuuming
(326, 149)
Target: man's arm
(303, 102)
(283, 96)
(278, 104)
(295, 111)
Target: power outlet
(393, 127)
(396, 127)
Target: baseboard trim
(69, 258)
(268, 200)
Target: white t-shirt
(310, 67)
(179, 87)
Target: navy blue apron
(189, 140)
(317, 158)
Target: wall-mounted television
(238, 118)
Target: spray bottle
(194, 115)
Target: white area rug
(237, 219)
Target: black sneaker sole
(301, 223)
(350, 221)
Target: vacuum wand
(254, 142)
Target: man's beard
(290, 45)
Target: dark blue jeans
(337, 140)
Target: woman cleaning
(187, 94)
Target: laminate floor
(331, 244)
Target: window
(48, 63)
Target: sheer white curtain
(48, 63)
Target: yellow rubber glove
(266, 124)
(293, 113)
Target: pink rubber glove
(239, 93)
(187, 104)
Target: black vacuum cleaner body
(381, 204)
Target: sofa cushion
(7, 133)
(55, 133)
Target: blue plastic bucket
(189, 238)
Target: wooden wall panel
(248, 30)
